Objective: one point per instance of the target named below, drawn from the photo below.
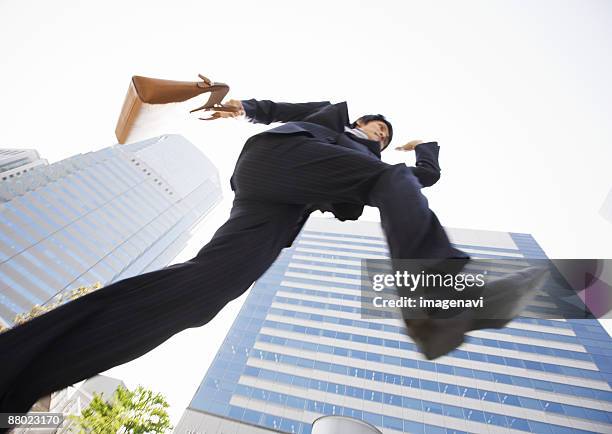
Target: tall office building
(99, 217)
(300, 349)
(17, 162)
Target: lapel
(372, 145)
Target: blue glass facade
(299, 349)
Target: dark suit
(281, 176)
(325, 122)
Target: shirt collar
(361, 137)
(356, 132)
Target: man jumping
(315, 160)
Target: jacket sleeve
(266, 111)
(427, 168)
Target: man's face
(377, 131)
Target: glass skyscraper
(99, 217)
(300, 348)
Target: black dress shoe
(504, 299)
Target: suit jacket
(326, 122)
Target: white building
(16, 162)
(99, 217)
(71, 401)
(606, 208)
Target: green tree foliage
(128, 412)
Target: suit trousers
(276, 179)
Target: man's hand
(410, 146)
(232, 103)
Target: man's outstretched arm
(266, 111)
(427, 167)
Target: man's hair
(365, 119)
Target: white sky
(516, 92)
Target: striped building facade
(99, 217)
(299, 349)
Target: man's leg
(305, 170)
(128, 318)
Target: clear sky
(517, 93)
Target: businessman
(315, 160)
